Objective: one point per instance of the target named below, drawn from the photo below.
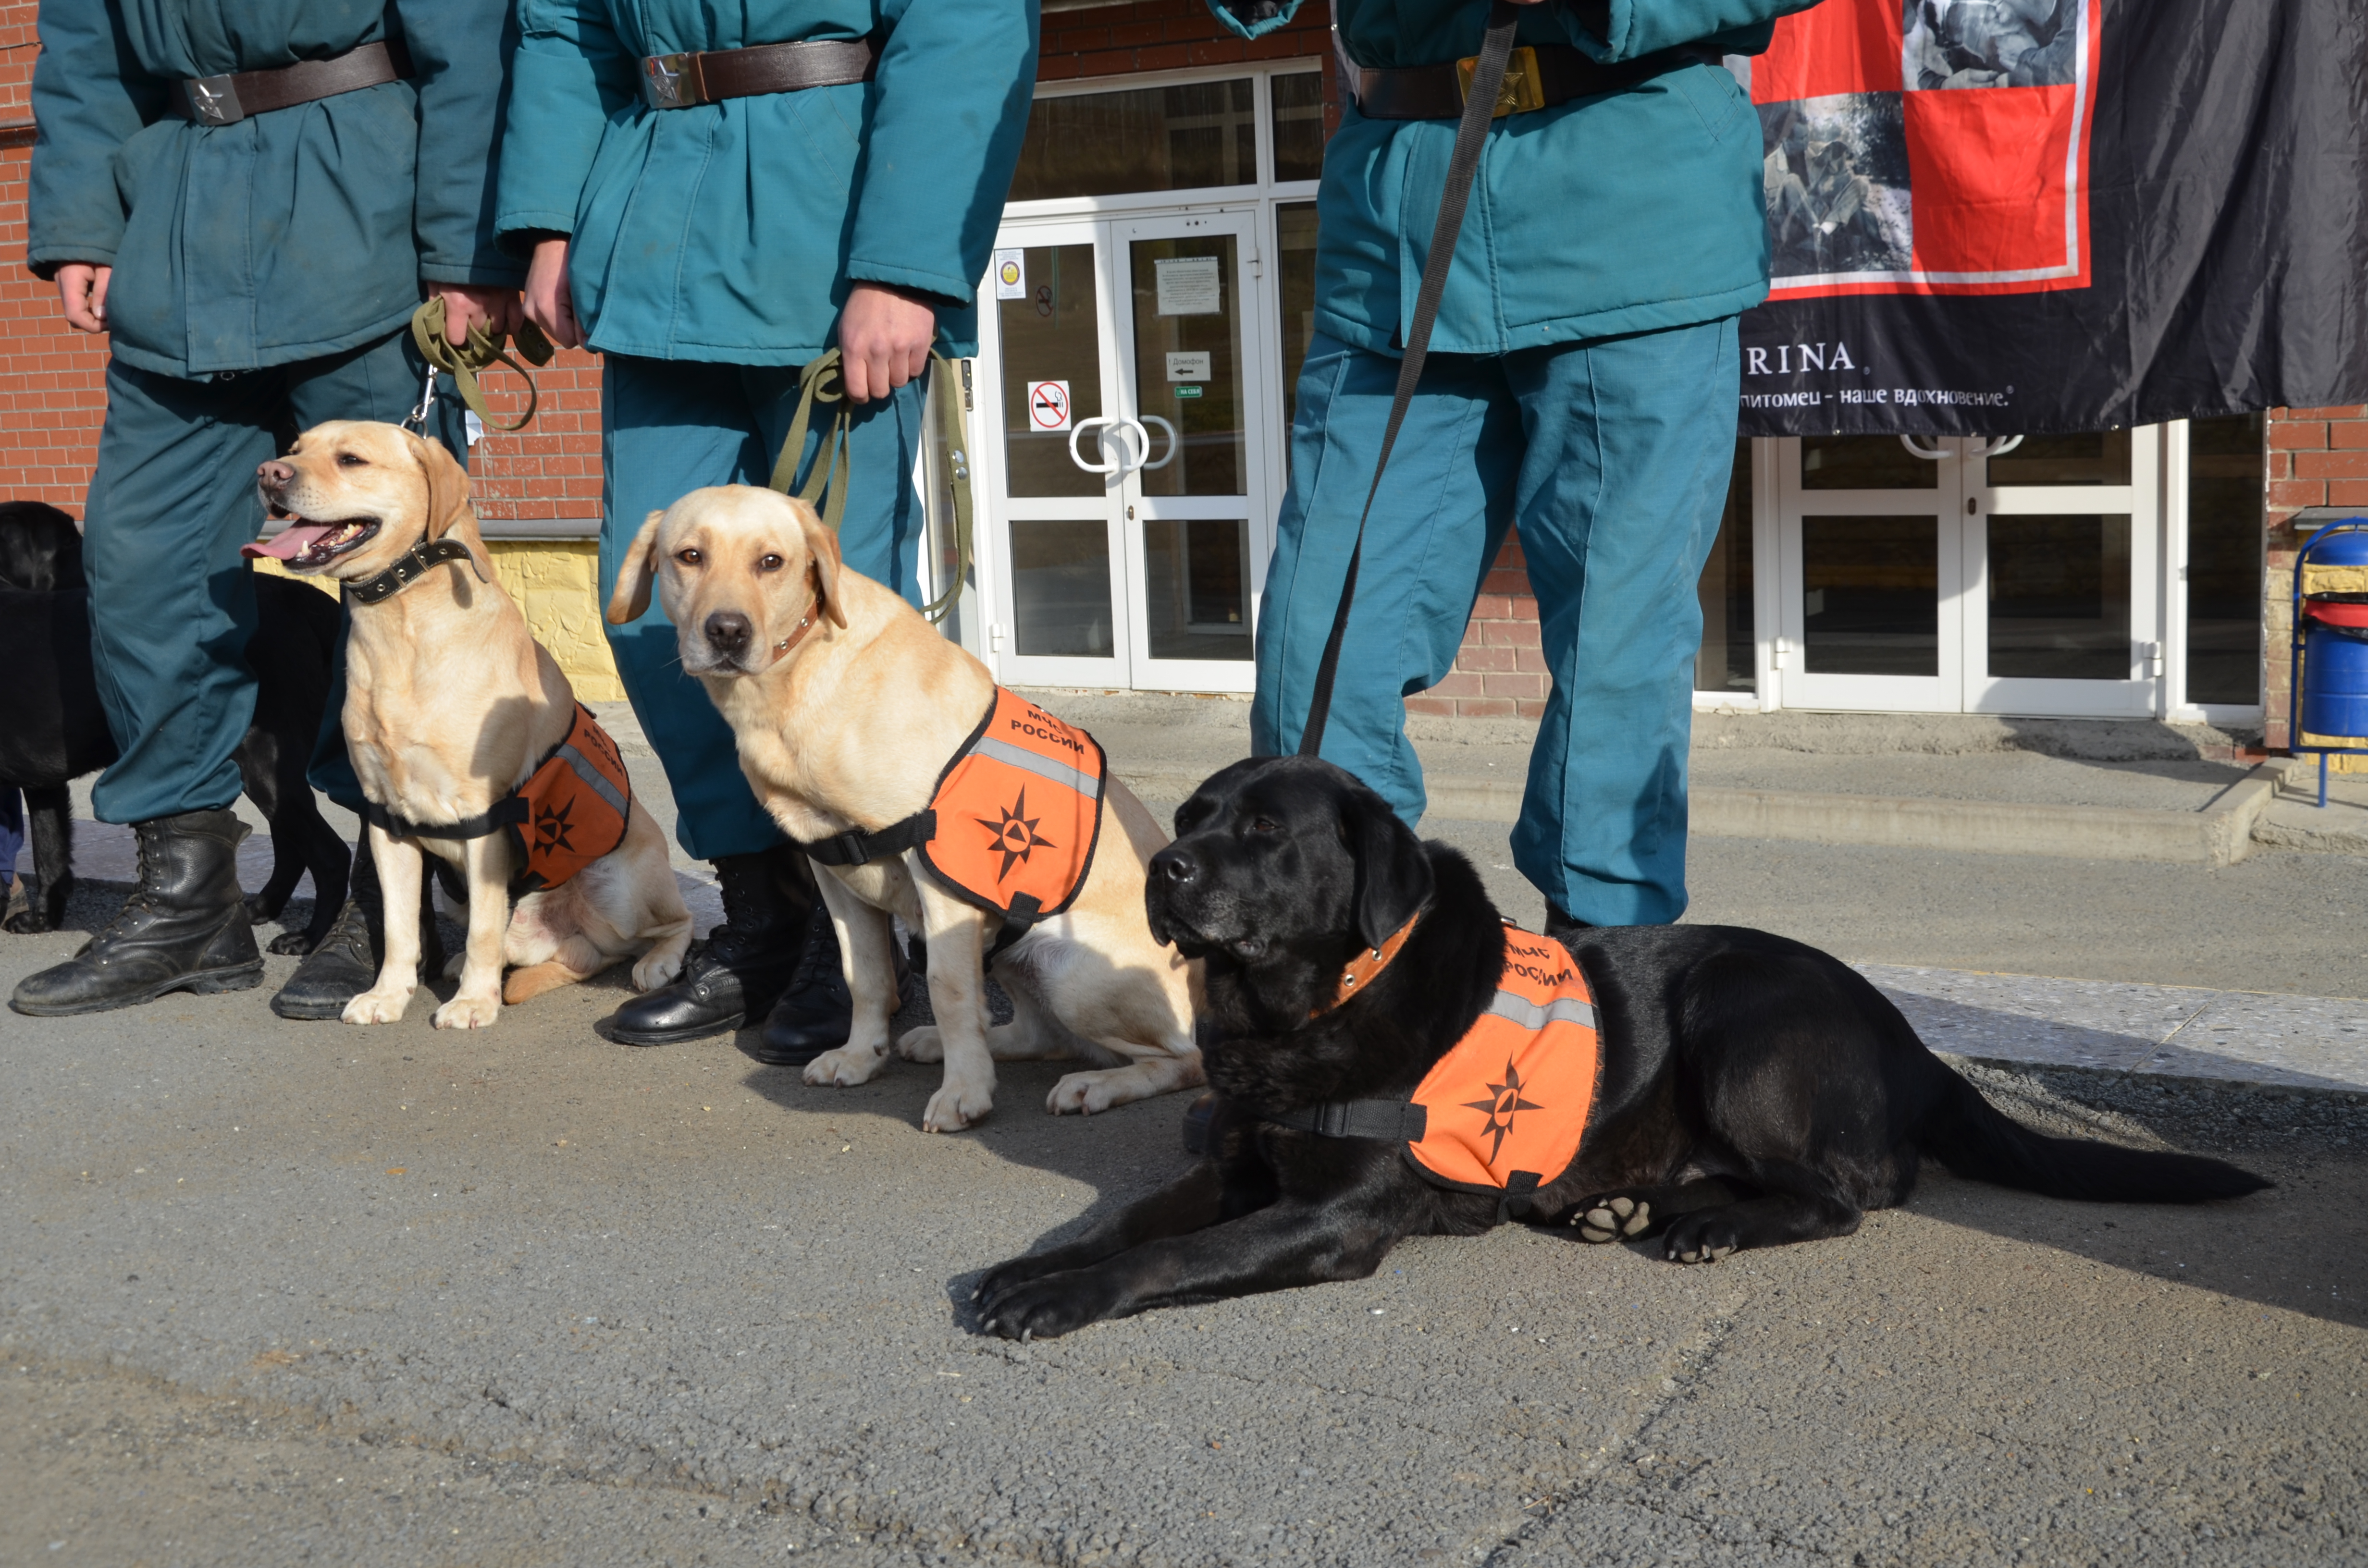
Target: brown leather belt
(226, 101)
(1538, 77)
(685, 80)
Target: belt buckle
(1522, 90)
(673, 81)
(213, 100)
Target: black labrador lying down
(52, 730)
(1746, 1091)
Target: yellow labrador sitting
(848, 706)
(450, 706)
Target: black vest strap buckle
(855, 847)
(1391, 1122)
(1520, 1187)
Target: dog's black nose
(728, 631)
(1173, 866)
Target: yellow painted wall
(557, 583)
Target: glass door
(2062, 546)
(1196, 513)
(1051, 523)
(1873, 573)
(1127, 515)
(2001, 575)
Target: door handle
(1997, 448)
(1144, 436)
(1119, 461)
(1930, 454)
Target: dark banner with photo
(1991, 217)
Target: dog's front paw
(923, 1044)
(27, 922)
(1616, 1218)
(466, 1012)
(289, 944)
(656, 968)
(846, 1067)
(1087, 1094)
(1046, 1308)
(377, 1006)
(1011, 1273)
(956, 1106)
(1702, 1238)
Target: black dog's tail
(1973, 1138)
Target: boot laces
(818, 959)
(143, 897)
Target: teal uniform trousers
(171, 501)
(1611, 458)
(670, 428)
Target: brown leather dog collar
(1359, 975)
(806, 622)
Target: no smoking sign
(1048, 406)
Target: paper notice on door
(1188, 366)
(1188, 286)
(1011, 275)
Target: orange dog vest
(572, 810)
(1504, 1110)
(1013, 823)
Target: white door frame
(1961, 502)
(1123, 505)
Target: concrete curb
(2218, 836)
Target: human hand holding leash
(547, 301)
(82, 289)
(469, 305)
(883, 340)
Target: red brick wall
(2317, 457)
(52, 380)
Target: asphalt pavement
(281, 1293)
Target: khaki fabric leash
(470, 360)
(1470, 138)
(823, 380)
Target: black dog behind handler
(1751, 1092)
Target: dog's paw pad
(845, 1067)
(1615, 1219)
(954, 1108)
(468, 1013)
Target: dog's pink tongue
(291, 539)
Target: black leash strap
(1470, 138)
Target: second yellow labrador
(848, 706)
(451, 705)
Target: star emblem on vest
(1506, 1104)
(551, 826)
(1015, 834)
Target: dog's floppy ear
(631, 599)
(1393, 876)
(447, 501)
(821, 546)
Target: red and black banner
(1993, 217)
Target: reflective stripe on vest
(1504, 1109)
(1018, 813)
(578, 803)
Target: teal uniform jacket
(1628, 212)
(284, 237)
(732, 231)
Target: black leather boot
(815, 1010)
(737, 971)
(347, 961)
(184, 927)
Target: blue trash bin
(2330, 687)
